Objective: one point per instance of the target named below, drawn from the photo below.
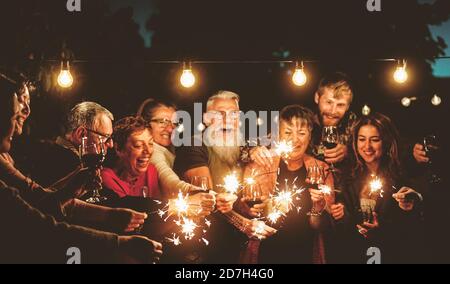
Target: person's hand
(262, 157)
(258, 209)
(403, 203)
(367, 227)
(337, 211)
(258, 229)
(419, 154)
(125, 220)
(138, 249)
(225, 201)
(201, 204)
(318, 199)
(335, 155)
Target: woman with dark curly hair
(132, 173)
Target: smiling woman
(132, 174)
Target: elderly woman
(383, 209)
(297, 241)
(133, 174)
(161, 115)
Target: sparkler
(181, 208)
(376, 186)
(283, 148)
(325, 189)
(231, 183)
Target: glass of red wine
(92, 156)
(252, 194)
(330, 139)
(431, 148)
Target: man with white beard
(217, 157)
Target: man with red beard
(333, 98)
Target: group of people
(44, 201)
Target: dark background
(113, 64)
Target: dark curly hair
(125, 127)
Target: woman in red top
(132, 173)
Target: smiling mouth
(143, 161)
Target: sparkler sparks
(187, 227)
(231, 183)
(181, 208)
(175, 240)
(376, 186)
(283, 148)
(325, 189)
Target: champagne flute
(92, 156)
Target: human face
(297, 132)
(101, 131)
(223, 119)
(25, 110)
(6, 139)
(162, 125)
(135, 155)
(370, 145)
(331, 108)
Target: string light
(436, 100)
(187, 78)
(365, 110)
(400, 74)
(65, 79)
(299, 77)
(406, 102)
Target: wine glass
(92, 156)
(431, 148)
(315, 176)
(200, 183)
(330, 139)
(252, 194)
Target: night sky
(143, 9)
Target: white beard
(227, 154)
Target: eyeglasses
(105, 138)
(164, 122)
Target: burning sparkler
(376, 186)
(181, 208)
(231, 183)
(283, 148)
(325, 189)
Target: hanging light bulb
(65, 79)
(187, 79)
(436, 100)
(400, 74)
(406, 102)
(299, 77)
(365, 110)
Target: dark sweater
(29, 236)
